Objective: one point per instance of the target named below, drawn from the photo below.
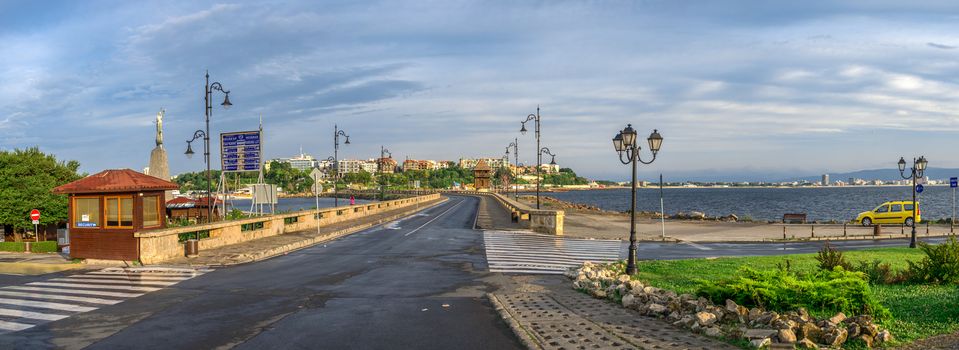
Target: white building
(494, 163)
(347, 166)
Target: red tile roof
(116, 180)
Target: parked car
(896, 212)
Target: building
(386, 165)
(825, 179)
(482, 175)
(493, 163)
(549, 168)
(370, 166)
(106, 208)
(300, 162)
(413, 164)
(346, 166)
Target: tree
(27, 178)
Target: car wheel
(909, 222)
(867, 222)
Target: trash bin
(514, 216)
(192, 248)
(877, 230)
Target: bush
(44, 247)
(878, 272)
(782, 290)
(12, 246)
(829, 258)
(183, 237)
(940, 266)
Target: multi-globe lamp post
(383, 153)
(535, 118)
(916, 171)
(626, 145)
(336, 153)
(515, 145)
(205, 134)
(552, 161)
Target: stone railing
(159, 245)
(538, 220)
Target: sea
(293, 204)
(767, 203)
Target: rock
(628, 300)
(810, 331)
(803, 314)
(688, 321)
(767, 318)
(705, 318)
(636, 286)
(836, 320)
(696, 328)
(754, 314)
(835, 337)
(731, 306)
(656, 309)
(759, 333)
(760, 343)
(805, 343)
(853, 330)
(650, 290)
(623, 278)
(713, 332)
(599, 293)
(865, 339)
(697, 215)
(786, 336)
(870, 329)
(884, 336)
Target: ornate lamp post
(539, 155)
(208, 111)
(625, 144)
(552, 161)
(515, 145)
(336, 149)
(918, 167)
(383, 153)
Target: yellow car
(896, 212)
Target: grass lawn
(918, 311)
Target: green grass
(918, 311)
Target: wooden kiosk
(482, 176)
(106, 208)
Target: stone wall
(538, 220)
(159, 245)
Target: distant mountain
(880, 174)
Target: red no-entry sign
(34, 214)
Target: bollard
(927, 228)
(902, 229)
(784, 232)
(844, 230)
(812, 232)
(877, 230)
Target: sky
(738, 89)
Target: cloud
(940, 46)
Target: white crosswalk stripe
(34, 303)
(523, 252)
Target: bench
(794, 218)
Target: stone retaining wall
(159, 245)
(538, 220)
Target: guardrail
(815, 231)
(165, 244)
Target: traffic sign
(35, 215)
(953, 182)
(919, 188)
(36, 222)
(240, 151)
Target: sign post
(317, 188)
(35, 216)
(953, 182)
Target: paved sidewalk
(35, 263)
(268, 247)
(546, 313)
(492, 215)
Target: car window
(908, 206)
(897, 207)
(882, 209)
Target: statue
(159, 123)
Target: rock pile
(760, 327)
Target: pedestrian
(352, 200)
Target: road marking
(697, 246)
(31, 315)
(520, 252)
(77, 285)
(14, 326)
(434, 219)
(81, 293)
(77, 291)
(61, 297)
(46, 305)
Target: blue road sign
(919, 188)
(240, 151)
(953, 182)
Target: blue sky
(739, 89)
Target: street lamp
(552, 161)
(539, 155)
(515, 145)
(383, 153)
(918, 167)
(205, 134)
(625, 144)
(336, 149)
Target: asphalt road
(418, 284)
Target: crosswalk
(523, 252)
(34, 303)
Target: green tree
(361, 177)
(27, 178)
(290, 179)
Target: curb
(290, 247)
(524, 337)
(26, 268)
